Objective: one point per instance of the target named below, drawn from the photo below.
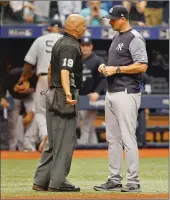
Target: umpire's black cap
(86, 41)
(117, 12)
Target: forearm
(134, 68)
(103, 21)
(49, 75)
(140, 6)
(89, 21)
(101, 86)
(27, 72)
(127, 5)
(65, 80)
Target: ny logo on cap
(86, 39)
(111, 10)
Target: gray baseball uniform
(39, 55)
(122, 103)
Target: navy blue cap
(117, 12)
(56, 23)
(86, 41)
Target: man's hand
(94, 96)
(69, 99)
(101, 68)
(23, 88)
(95, 12)
(28, 118)
(4, 103)
(109, 71)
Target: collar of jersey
(69, 35)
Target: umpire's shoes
(108, 186)
(131, 187)
(65, 187)
(39, 188)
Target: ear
(77, 29)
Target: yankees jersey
(127, 48)
(39, 54)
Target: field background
(89, 168)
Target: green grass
(17, 176)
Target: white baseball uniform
(39, 55)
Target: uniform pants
(121, 111)
(55, 162)
(16, 127)
(40, 106)
(87, 128)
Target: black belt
(43, 74)
(51, 87)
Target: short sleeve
(31, 56)
(67, 58)
(138, 52)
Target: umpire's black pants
(55, 162)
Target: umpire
(66, 74)
(127, 60)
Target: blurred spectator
(69, 7)
(106, 5)
(66, 8)
(54, 10)
(42, 11)
(29, 9)
(94, 14)
(165, 20)
(93, 86)
(18, 11)
(136, 9)
(153, 12)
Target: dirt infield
(100, 196)
(144, 153)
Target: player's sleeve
(32, 54)
(67, 58)
(137, 49)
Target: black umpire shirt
(126, 49)
(92, 79)
(66, 54)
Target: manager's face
(117, 23)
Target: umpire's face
(81, 29)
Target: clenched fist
(4, 103)
(101, 68)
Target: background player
(93, 85)
(39, 56)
